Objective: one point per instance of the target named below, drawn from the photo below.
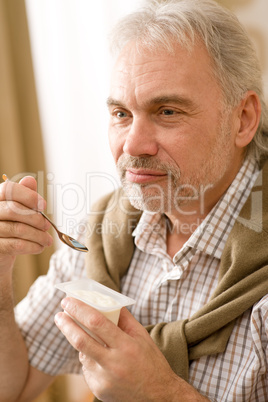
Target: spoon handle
(49, 220)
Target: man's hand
(22, 229)
(129, 367)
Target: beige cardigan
(243, 278)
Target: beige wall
(253, 15)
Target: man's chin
(145, 201)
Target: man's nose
(140, 139)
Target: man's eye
(120, 114)
(168, 112)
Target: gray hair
(236, 66)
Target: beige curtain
(21, 148)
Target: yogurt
(97, 298)
(102, 298)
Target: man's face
(172, 143)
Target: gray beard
(149, 197)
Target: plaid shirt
(165, 290)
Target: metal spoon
(62, 236)
(70, 241)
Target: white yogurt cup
(102, 298)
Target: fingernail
(41, 204)
(64, 303)
(47, 224)
(50, 241)
(58, 318)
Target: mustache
(146, 162)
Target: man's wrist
(182, 391)
(6, 268)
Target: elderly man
(188, 132)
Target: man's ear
(249, 113)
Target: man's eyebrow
(114, 102)
(162, 99)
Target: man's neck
(180, 229)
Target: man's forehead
(142, 69)
(163, 77)
(132, 61)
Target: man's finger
(94, 321)
(21, 194)
(14, 212)
(30, 182)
